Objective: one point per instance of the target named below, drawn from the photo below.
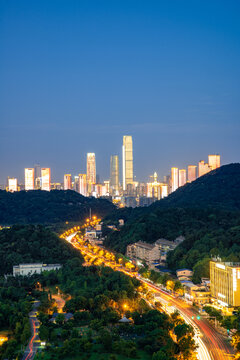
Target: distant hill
(49, 207)
(219, 188)
(206, 212)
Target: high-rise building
(76, 183)
(82, 184)
(225, 283)
(214, 161)
(114, 175)
(46, 179)
(192, 173)
(127, 161)
(91, 171)
(164, 190)
(174, 179)
(67, 182)
(203, 168)
(12, 184)
(29, 179)
(182, 177)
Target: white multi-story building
(31, 269)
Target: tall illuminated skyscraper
(192, 173)
(67, 182)
(174, 178)
(203, 168)
(29, 179)
(114, 174)
(46, 179)
(12, 184)
(37, 176)
(214, 161)
(83, 184)
(91, 170)
(182, 177)
(127, 161)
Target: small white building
(31, 269)
(184, 274)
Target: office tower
(182, 177)
(29, 179)
(114, 174)
(46, 179)
(203, 168)
(225, 283)
(91, 171)
(37, 176)
(127, 161)
(174, 178)
(192, 173)
(214, 161)
(76, 183)
(82, 184)
(106, 186)
(67, 182)
(164, 190)
(12, 184)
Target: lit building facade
(37, 176)
(29, 179)
(82, 184)
(46, 179)
(91, 171)
(214, 161)
(127, 161)
(192, 173)
(225, 283)
(67, 182)
(174, 179)
(182, 177)
(12, 184)
(114, 175)
(203, 168)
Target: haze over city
(76, 77)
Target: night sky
(75, 76)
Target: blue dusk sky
(75, 76)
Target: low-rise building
(184, 274)
(196, 293)
(31, 269)
(225, 283)
(143, 251)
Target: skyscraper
(91, 171)
(203, 168)
(83, 184)
(127, 161)
(46, 179)
(29, 179)
(214, 161)
(114, 174)
(182, 177)
(192, 173)
(67, 182)
(174, 178)
(12, 184)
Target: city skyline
(165, 73)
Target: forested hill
(32, 244)
(49, 207)
(219, 188)
(206, 212)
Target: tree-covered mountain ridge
(206, 212)
(49, 207)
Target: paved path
(34, 341)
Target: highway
(211, 344)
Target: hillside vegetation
(32, 244)
(49, 207)
(206, 212)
